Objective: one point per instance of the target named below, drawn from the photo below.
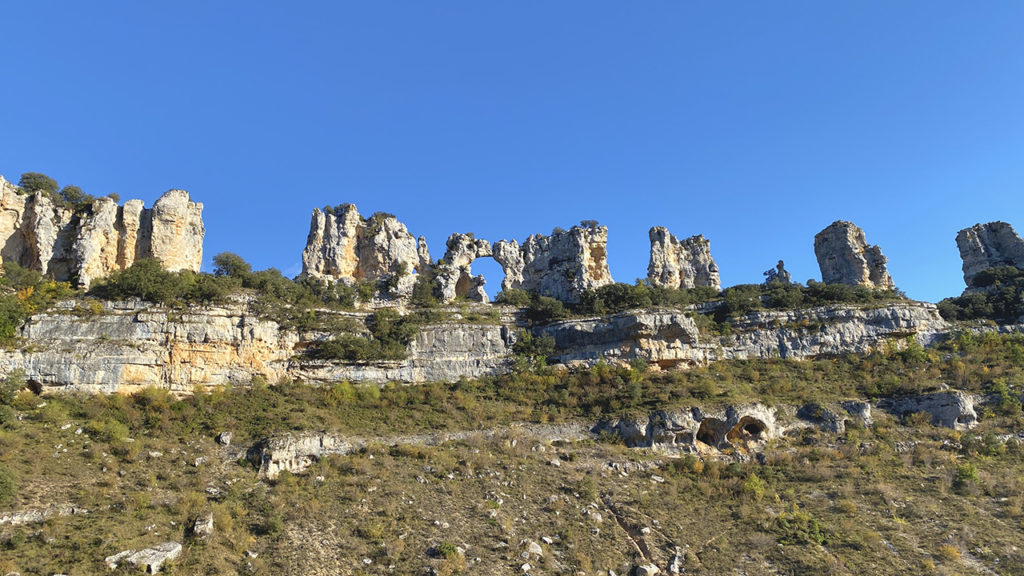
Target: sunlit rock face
(845, 257)
(562, 266)
(989, 245)
(81, 247)
(343, 246)
(681, 263)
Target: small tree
(231, 264)
(35, 182)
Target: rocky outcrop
(952, 409)
(695, 429)
(845, 258)
(562, 266)
(453, 274)
(343, 246)
(681, 264)
(175, 232)
(989, 245)
(149, 560)
(52, 240)
(670, 338)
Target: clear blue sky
(756, 124)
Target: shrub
(513, 297)
(8, 485)
(231, 264)
(544, 309)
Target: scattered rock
(224, 438)
(681, 264)
(845, 257)
(150, 560)
(646, 570)
(202, 528)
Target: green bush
(1000, 297)
(35, 182)
(513, 297)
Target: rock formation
(561, 266)
(845, 257)
(54, 241)
(988, 245)
(681, 264)
(779, 274)
(343, 246)
(453, 275)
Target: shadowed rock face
(988, 245)
(561, 266)
(52, 240)
(343, 246)
(681, 264)
(845, 257)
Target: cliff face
(131, 345)
(83, 247)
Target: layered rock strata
(681, 264)
(344, 246)
(845, 257)
(54, 241)
(989, 245)
(562, 266)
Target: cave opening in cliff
(711, 431)
(748, 429)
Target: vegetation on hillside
(997, 294)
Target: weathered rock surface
(343, 246)
(698, 429)
(561, 266)
(952, 409)
(149, 560)
(133, 344)
(845, 257)
(988, 245)
(83, 247)
(671, 338)
(681, 264)
(453, 275)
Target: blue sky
(756, 124)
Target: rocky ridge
(54, 241)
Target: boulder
(343, 246)
(845, 257)
(681, 264)
(561, 266)
(952, 409)
(202, 528)
(988, 245)
(149, 560)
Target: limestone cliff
(343, 246)
(561, 266)
(988, 245)
(681, 264)
(82, 247)
(845, 257)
